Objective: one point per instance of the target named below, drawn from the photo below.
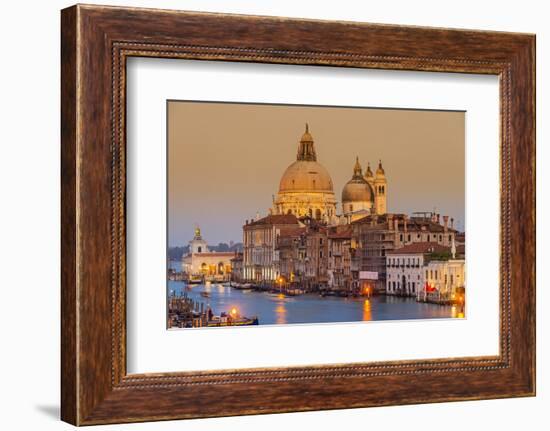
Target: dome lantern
(357, 170)
(306, 149)
(380, 171)
(368, 172)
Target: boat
(205, 294)
(232, 319)
(194, 279)
(244, 286)
(294, 292)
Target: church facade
(202, 264)
(306, 189)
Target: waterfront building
(375, 235)
(306, 187)
(237, 268)
(260, 263)
(315, 256)
(290, 254)
(405, 267)
(444, 281)
(339, 257)
(200, 263)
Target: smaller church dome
(357, 189)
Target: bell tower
(380, 190)
(197, 244)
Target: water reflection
(367, 313)
(280, 312)
(310, 308)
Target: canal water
(274, 309)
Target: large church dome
(306, 187)
(305, 175)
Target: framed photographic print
(254, 208)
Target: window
(200, 249)
(321, 254)
(351, 208)
(409, 237)
(318, 214)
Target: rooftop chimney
(452, 223)
(445, 222)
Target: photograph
(301, 214)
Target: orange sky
(225, 160)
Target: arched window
(310, 212)
(318, 214)
(289, 211)
(199, 249)
(351, 208)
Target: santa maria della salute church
(306, 189)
